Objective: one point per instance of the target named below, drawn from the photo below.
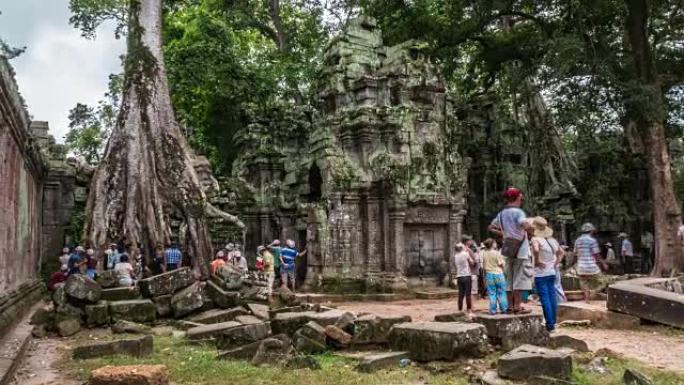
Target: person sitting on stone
(218, 262)
(158, 263)
(239, 263)
(90, 263)
(57, 278)
(124, 271)
(113, 256)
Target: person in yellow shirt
(494, 277)
(269, 271)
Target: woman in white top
(124, 270)
(463, 263)
(546, 254)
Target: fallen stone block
(346, 322)
(130, 375)
(634, 377)
(59, 297)
(513, 330)
(491, 377)
(69, 310)
(458, 316)
(120, 293)
(307, 345)
(286, 309)
(432, 341)
(82, 289)
(68, 326)
(372, 329)
(242, 335)
(188, 300)
(98, 314)
(565, 341)
(138, 347)
(244, 352)
(222, 298)
(303, 362)
(599, 316)
(206, 331)
(162, 305)
(375, 362)
(167, 283)
(107, 278)
(248, 319)
(121, 327)
(313, 331)
(185, 325)
(638, 298)
(329, 317)
(218, 315)
(337, 336)
(289, 323)
(42, 316)
(272, 351)
(259, 310)
(529, 362)
(137, 310)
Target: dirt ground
(655, 346)
(38, 366)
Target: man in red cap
(511, 225)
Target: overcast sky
(59, 68)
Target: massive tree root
(146, 180)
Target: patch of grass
(197, 364)
(617, 368)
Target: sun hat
(260, 249)
(623, 235)
(460, 246)
(90, 252)
(587, 228)
(541, 227)
(609, 244)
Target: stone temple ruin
(369, 181)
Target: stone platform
(433, 341)
(597, 313)
(513, 330)
(645, 298)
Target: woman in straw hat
(546, 254)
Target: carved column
(397, 216)
(455, 228)
(373, 234)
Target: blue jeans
(546, 289)
(496, 290)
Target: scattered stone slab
(637, 298)
(372, 329)
(137, 310)
(206, 331)
(222, 298)
(188, 300)
(346, 322)
(310, 338)
(598, 365)
(303, 362)
(529, 361)
(289, 323)
(458, 316)
(107, 278)
(286, 309)
(599, 316)
(166, 283)
(121, 327)
(185, 325)
(98, 314)
(565, 341)
(634, 377)
(375, 362)
(242, 335)
(82, 289)
(120, 293)
(432, 341)
(42, 316)
(491, 377)
(130, 375)
(244, 352)
(218, 315)
(163, 305)
(337, 336)
(272, 351)
(513, 330)
(68, 326)
(69, 310)
(137, 347)
(259, 310)
(248, 319)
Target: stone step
(436, 294)
(529, 361)
(375, 362)
(120, 293)
(433, 341)
(167, 283)
(597, 314)
(513, 330)
(137, 347)
(137, 310)
(374, 330)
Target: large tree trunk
(647, 107)
(146, 179)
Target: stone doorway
(425, 248)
